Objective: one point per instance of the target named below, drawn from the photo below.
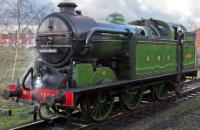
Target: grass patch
(184, 116)
(19, 116)
(19, 111)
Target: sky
(186, 12)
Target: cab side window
(142, 33)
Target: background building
(10, 38)
(197, 42)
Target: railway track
(59, 123)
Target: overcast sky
(179, 11)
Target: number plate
(48, 50)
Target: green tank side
(107, 46)
(155, 58)
(147, 57)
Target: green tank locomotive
(88, 65)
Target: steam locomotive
(87, 65)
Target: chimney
(67, 8)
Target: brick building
(197, 42)
(10, 38)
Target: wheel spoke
(100, 107)
(160, 92)
(95, 109)
(131, 100)
(103, 109)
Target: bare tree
(20, 16)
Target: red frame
(43, 93)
